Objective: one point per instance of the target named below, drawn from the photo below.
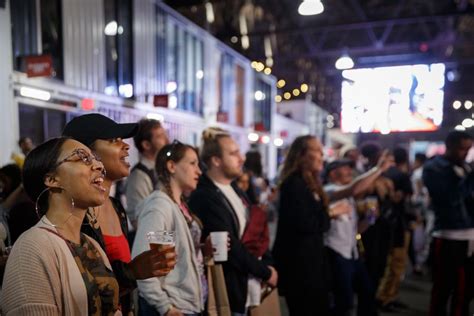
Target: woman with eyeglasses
(183, 290)
(53, 268)
(107, 223)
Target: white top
(236, 203)
(341, 236)
(455, 234)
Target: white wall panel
(9, 130)
(84, 44)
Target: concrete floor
(415, 292)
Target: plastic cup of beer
(161, 240)
(219, 244)
(372, 205)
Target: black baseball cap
(337, 164)
(90, 127)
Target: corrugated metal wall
(84, 44)
(148, 48)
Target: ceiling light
(287, 95)
(304, 88)
(269, 62)
(254, 64)
(468, 122)
(35, 93)
(457, 105)
(344, 62)
(281, 83)
(296, 92)
(460, 128)
(267, 71)
(278, 98)
(234, 39)
(468, 104)
(310, 7)
(209, 12)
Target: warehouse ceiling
(303, 49)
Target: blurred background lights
(259, 95)
(265, 139)
(457, 104)
(253, 137)
(278, 142)
(468, 104)
(281, 83)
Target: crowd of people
(80, 221)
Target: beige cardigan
(42, 277)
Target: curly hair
(295, 163)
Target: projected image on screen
(392, 99)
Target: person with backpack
(149, 140)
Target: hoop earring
(37, 209)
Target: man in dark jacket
(453, 264)
(220, 206)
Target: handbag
(270, 305)
(217, 301)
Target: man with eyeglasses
(222, 206)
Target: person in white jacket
(183, 290)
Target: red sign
(87, 104)
(39, 66)
(259, 126)
(284, 134)
(223, 117)
(160, 100)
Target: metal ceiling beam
(406, 47)
(360, 12)
(352, 26)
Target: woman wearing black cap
(108, 223)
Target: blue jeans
(349, 276)
(145, 309)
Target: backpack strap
(150, 172)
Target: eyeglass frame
(83, 155)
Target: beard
(232, 173)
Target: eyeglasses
(83, 155)
(172, 148)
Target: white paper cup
(219, 244)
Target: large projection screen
(392, 99)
